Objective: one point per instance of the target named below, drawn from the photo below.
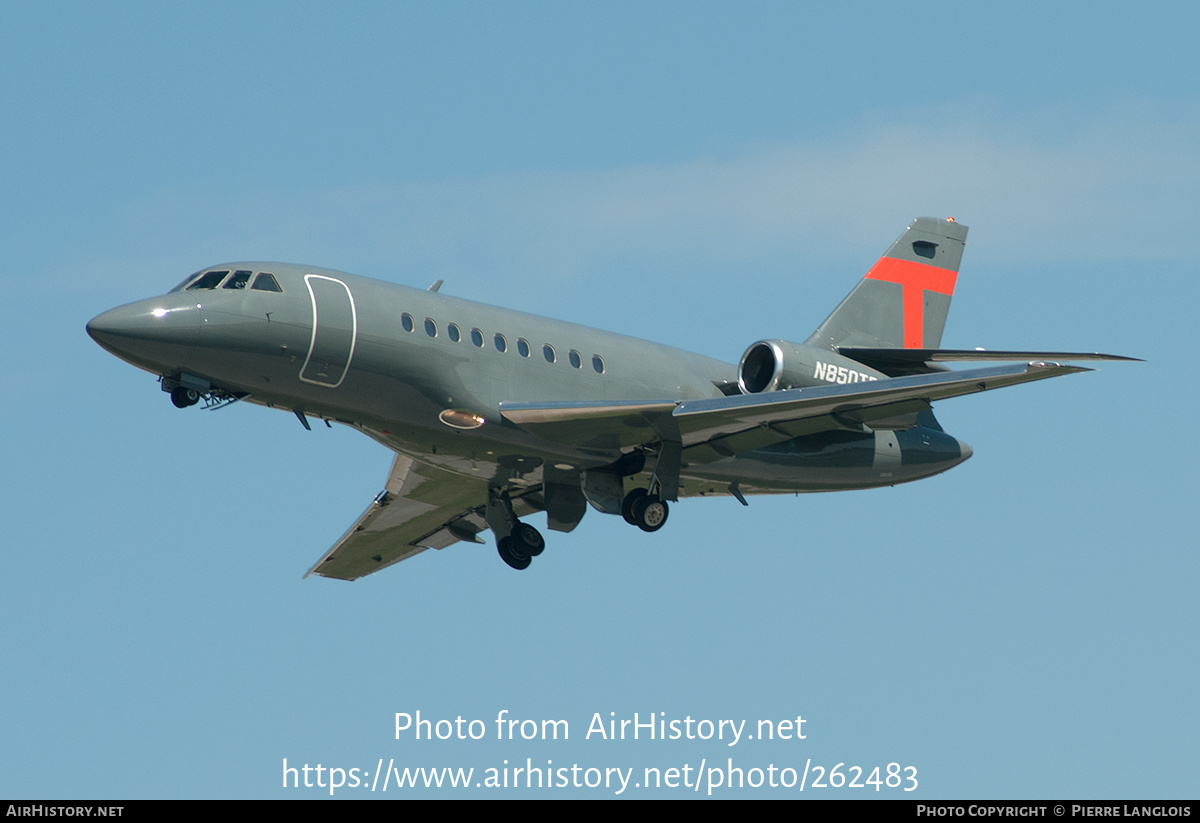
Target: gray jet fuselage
(364, 368)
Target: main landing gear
(517, 543)
(520, 547)
(645, 510)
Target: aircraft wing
(422, 507)
(725, 426)
(733, 425)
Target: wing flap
(600, 426)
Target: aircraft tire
(628, 503)
(184, 397)
(650, 513)
(529, 540)
(512, 556)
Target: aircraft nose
(136, 331)
(120, 322)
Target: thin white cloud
(1123, 188)
(1085, 197)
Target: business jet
(495, 414)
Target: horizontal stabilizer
(895, 361)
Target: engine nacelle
(774, 365)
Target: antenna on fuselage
(437, 285)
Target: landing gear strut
(647, 508)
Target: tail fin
(903, 300)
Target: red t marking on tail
(915, 279)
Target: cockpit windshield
(208, 280)
(238, 281)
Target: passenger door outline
(329, 350)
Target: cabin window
(522, 347)
(548, 353)
(576, 360)
(598, 363)
(477, 337)
(406, 321)
(501, 343)
(265, 282)
(430, 327)
(208, 280)
(454, 333)
(239, 280)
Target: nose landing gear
(183, 397)
(188, 390)
(185, 390)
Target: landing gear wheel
(528, 540)
(627, 505)
(649, 513)
(512, 555)
(183, 397)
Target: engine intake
(775, 365)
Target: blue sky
(701, 174)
